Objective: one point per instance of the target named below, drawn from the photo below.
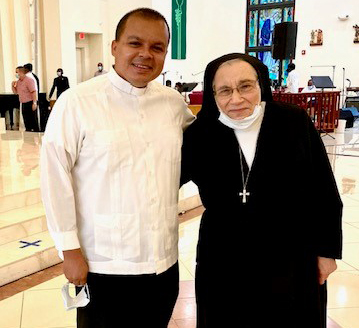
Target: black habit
(61, 83)
(257, 262)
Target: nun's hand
(326, 266)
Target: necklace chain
(244, 193)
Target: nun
(271, 229)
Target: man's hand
(326, 266)
(14, 84)
(34, 106)
(75, 267)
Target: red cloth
(196, 98)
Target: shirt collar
(123, 85)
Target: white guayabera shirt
(110, 168)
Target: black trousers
(30, 117)
(130, 301)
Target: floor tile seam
(22, 308)
(34, 289)
(355, 269)
(26, 257)
(21, 192)
(22, 221)
(352, 225)
(343, 308)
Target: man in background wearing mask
(61, 83)
(100, 70)
(26, 89)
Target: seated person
(310, 87)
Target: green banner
(179, 17)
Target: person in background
(168, 83)
(271, 229)
(310, 87)
(100, 70)
(61, 83)
(26, 89)
(178, 87)
(292, 79)
(33, 76)
(110, 169)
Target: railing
(322, 107)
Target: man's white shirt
(110, 168)
(292, 82)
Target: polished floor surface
(35, 301)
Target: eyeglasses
(243, 89)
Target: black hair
(60, 70)
(146, 13)
(28, 66)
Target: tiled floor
(35, 301)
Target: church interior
(77, 35)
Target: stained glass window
(268, 18)
(253, 23)
(270, 1)
(262, 17)
(288, 15)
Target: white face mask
(59, 73)
(100, 68)
(241, 124)
(80, 300)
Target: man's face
(21, 73)
(141, 50)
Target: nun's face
(236, 89)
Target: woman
(271, 230)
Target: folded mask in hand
(80, 300)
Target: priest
(271, 229)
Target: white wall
(88, 16)
(338, 48)
(214, 28)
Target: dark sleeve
(187, 157)
(53, 88)
(67, 85)
(37, 82)
(327, 203)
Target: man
(61, 83)
(110, 178)
(292, 79)
(34, 77)
(25, 88)
(100, 70)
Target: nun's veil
(209, 108)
